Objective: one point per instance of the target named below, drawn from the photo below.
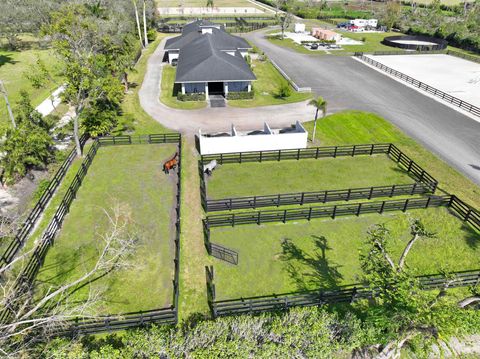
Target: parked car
(174, 62)
(343, 24)
(314, 46)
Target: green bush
(243, 95)
(284, 90)
(191, 97)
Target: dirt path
(193, 256)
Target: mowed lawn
(132, 177)
(13, 67)
(168, 94)
(306, 175)
(324, 253)
(267, 86)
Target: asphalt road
(348, 84)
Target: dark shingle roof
(223, 40)
(201, 61)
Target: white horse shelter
(267, 139)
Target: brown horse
(170, 164)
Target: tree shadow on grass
(7, 59)
(472, 237)
(321, 272)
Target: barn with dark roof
(210, 60)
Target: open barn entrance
(215, 88)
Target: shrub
(284, 90)
(243, 95)
(191, 97)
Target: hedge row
(243, 95)
(191, 97)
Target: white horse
(208, 168)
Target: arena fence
(346, 294)
(424, 182)
(436, 44)
(20, 238)
(108, 323)
(475, 110)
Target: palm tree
(320, 105)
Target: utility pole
(3, 90)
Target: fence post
(414, 187)
(428, 202)
(302, 199)
(381, 208)
(467, 216)
(298, 154)
(334, 211)
(371, 193)
(316, 153)
(279, 154)
(233, 220)
(359, 209)
(335, 152)
(310, 214)
(405, 206)
(284, 216)
(259, 218)
(393, 191)
(371, 149)
(353, 151)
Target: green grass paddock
(132, 177)
(306, 175)
(324, 253)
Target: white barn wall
(261, 142)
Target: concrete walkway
(50, 103)
(212, 119)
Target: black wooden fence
(19, 240)
(424, 182)
(307, 213)
(111, 322)
(348, 294)
(475, 110)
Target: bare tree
(41, 316)
(3, 90)
(283, 15)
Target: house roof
(192, 31)
(201, 61)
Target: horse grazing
(170, 164)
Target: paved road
(348, 84)
(212, 119)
